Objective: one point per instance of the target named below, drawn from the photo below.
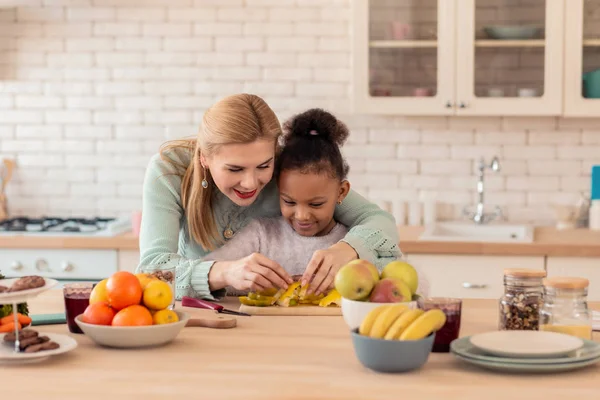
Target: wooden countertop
(273, 358)
(547, 242)
(125, 241)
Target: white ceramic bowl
(133, 336)
(355, 311)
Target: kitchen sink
(471, 232)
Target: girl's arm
(159, 234)
(373, 233)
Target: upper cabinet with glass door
(458, 57)
(582, 58)
(403, 56)
(509, 57)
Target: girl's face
(308, 200)
(241, 171)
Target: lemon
(164, 317)
(157, 295)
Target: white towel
(596, 320)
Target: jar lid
(566, 283)
(525, 273)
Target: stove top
(64, 226)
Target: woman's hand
(324, 264)
(254, 272)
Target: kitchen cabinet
(583, 267)
(444, 57)
(128, 260)
(582, 58)
(469, 276)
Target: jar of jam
(522, 299)
(565, 307)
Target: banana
(407, 318)
(386, 319)
(367, 323)
(428, 322)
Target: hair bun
(316, 123)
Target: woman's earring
(204, 182)
(339, 202)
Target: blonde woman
(198, 193)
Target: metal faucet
(479, 216)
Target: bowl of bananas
(396, 338)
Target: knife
(199, 303)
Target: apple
(402, 270)
(355, 280)
(371, 267)
(390, 290)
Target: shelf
(591, 42)
(510, 43)
(402, 44)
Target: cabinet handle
(463, 104)
(448, 104)
(468, 285)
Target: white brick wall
(90, 88)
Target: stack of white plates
(526, 351)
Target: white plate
(23, 295)
(9, 356)
(526, 344)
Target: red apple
(390, 290)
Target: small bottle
(594, 220)
(399, 209)
(520, 305)
(565, 308)
(414, 213)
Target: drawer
(581, 267)
(61, 264)
(469, 276)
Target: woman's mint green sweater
(165, 239)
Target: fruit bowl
(391, 355)
(133, 336)
(354, 311)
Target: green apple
(355, 281)
(371, 267)
(404, 271)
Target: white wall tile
(97, 85)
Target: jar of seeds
(520, 305)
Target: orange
(98, 314)
(123, 289)
(99, 294)
(145, 279)
(135, 315)
(165, 317)
(157, 295)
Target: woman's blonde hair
(239, 118)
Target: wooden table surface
(273, 358)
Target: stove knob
(16, 266)
(67, 267)
(41, 265)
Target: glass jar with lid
(565, 307)
(522, 299)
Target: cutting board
(297, 310)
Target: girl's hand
(324, 264)
(254, 272)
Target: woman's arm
(373, 233)
(159, 234)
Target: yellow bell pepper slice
(332, 298)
